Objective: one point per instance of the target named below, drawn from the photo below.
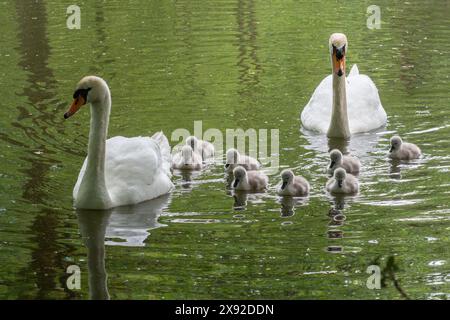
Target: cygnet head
(187, 151)
(339, 175)
(192, 142)
(338, 49)
(335, 157)
(239, 174)
(396, 143)
(232, 157)
(286, 176)
(90, 89)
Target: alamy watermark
(73, 282)
(258, 142)
(374, 19)
(74, 19)
(374, 280)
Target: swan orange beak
(75, 106)
(338, 63)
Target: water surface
(231, 64)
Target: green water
(230, 64)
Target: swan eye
(81, 92)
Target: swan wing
(364, 108)
(164, 147)
(316, 115)
(354, 71)
(137, 169)
(80, 177)
(365, 112)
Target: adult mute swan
(340, 105)
(118, 171)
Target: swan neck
(97, 139)
(339, 127)
(93, 193)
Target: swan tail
(354, 71)
(164, 147)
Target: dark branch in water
(388, 273)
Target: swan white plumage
(340, 105)
(118, 171)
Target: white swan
(234, 158)
(187, 159)
(403, 150)
(343, 106)
(338, 160)
(249, 181)
(203, 148)
(292, 185)
(342, 183)
(118, 171)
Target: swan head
(90, 89)
(396, 143)
(339, 175)
(335, 157)
(232, 157)
(338, 49)
(186, 152)
(239, 174)
(192, 142)
(286, 177)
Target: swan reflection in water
(360, 144)
(337, 219)
(125, 226)
(242, 197)
(288, 205)
(396, 166)
(187, 178)
(394, 169)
